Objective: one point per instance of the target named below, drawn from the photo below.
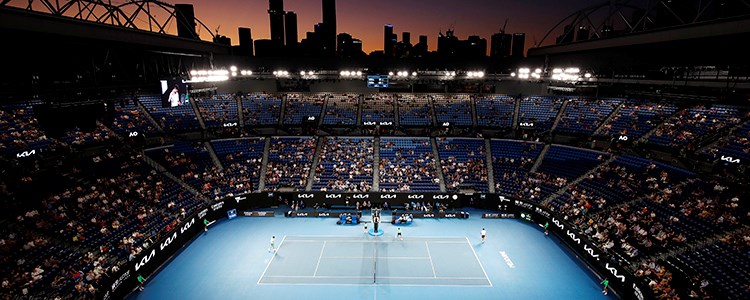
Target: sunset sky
(365, 19)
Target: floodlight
(587, 75)
(390, 73)
(413, 73)
(359, 73)
(193, 72)
(538, 70)
(513, 74)
(233, 69)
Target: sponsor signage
(526, 124)
(730, 159)
(499, 216)
(27, 153)
(318, 214)
(230, 124)
(133, 134)
(258, 213)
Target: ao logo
(305, 196)
(416, 197)
(333, 196)
(730, 159)
(623, 138)
(311, 118)
(145, 260)
(133, 134)
(26, 153)
(614, 272)
(446, 124)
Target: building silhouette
(290, 28)
(566, 36)
(519, 45)
(246, 41)
(500, 45)
(276, 15)
(329, 27)
(185, 16)
(420, 49)
(348, 47)
(389, 40)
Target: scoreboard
(377, 81)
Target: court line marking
(270, 261)
(479, 261)
(356, 277)
(375, 284)
(319, 257)
(430, 256)
(379, 257)
(359, 236)
(374, 242)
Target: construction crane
(502, 30)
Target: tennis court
(366, 260)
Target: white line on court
(480, 262)
(430, 256)
(372, 242)
(319, 257)
(390, 284)
(379, 257)
(391, 277)
(269, 262)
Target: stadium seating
(341, 110)
(541, 111)
(584, 116)
(300, 107)
(455, 110)
(511, 163)
(690, 125)
(407, 164)
(242, 161)
(463, 163)
(345, 165)
(261, 110)
(415, 110)
(130, 118)
(218, 110)
(378, 108)
(19, 128)
(172, 119)
(495, 112)
(289, 162)
(634, 119)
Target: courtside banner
(627, 285)
(149, 260)
(258, 213)
(393, 199)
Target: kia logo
(416, 197)
(25, 154)
(440, 197)
(305, 196)
(333, 196)
(388, 196)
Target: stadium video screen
(377, 81)
(174, 93)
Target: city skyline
(365, 20)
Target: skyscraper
(406, 38)
(389, 42)
(276, 14)
(329, 27)
(290, 24)
(500, 45)
(519, 44)
(185, 16)
(246, 41)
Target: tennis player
(398, 234)
(605, 283)
(484, 235)
(365, 227)
(273, 241)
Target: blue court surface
(317, 259)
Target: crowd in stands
(300, 107)
(463, 163)
(242, 161)
(407, 164)
(19, 128)
(172, 119)
(345, 164)
(415, 110)
(541, 111)
(689, 126)
(65, 246)
(635, 119)
(289, 162)
(261, 110)
(129, 118)
(495, 112)
(455, 109)
(584, 116)
(378, 108)
(218, 110)
(341, 110)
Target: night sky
(365, 19)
